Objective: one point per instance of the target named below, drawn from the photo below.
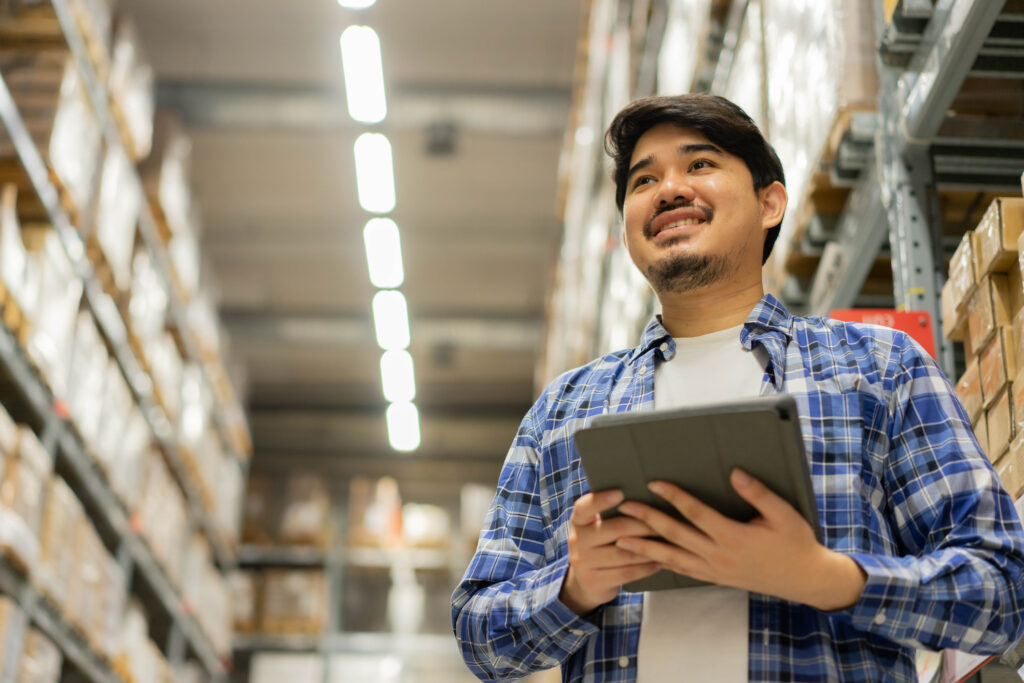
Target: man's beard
(682, 273)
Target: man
(922, 546)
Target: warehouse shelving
(102, 305)
(36, 612)
(95, 494)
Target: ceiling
(259, 86)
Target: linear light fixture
(375, 174)
(364, 74)
(356, 4)
(383, 253)
(397, 377)
(391, 319)
(403, 426)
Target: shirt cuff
(888, 597)
(566, 628)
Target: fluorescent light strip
(391, 320)
(397, 376)
(383, 253)
(375, 175)
(356, 4)
(403, 426)
(364, 74)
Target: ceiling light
(356, 4)
(397, 377)
(383, 253)
(364, 74)
(391, 320)
(375, 175)
(403, 426)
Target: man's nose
(675, 187)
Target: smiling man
(922, 546)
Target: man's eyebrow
(682, 150)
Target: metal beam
(511, 111)
(496, 332)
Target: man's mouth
(678, 218)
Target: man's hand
(597, 568)
(775, 554)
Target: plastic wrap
(293, 601)
(131, 85)
(306, 515)
(126, 467)
(165, 361)
(57, 562)
(56, 311)
(820, 60)
(75, 141)
(117, 215)
(148, 307)
(86, 379)
(117, 403)
(40, 660)
(162, 511)
(228, 500)
(9, 435)
(245, 590)
(15, 270)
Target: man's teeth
(685, 221)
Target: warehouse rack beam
(912, 106)
(35, 611)
(99, 98)
(107, 315)
(96, 495)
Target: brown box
(1011, 468)
(999, 419)
(989, 309)
(961, 272)
(293, 601)
(954, 322)
(981, 434)
(996, 365)
(998, 232)
(968, 388)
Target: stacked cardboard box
(25, 472)
(983, 307)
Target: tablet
(697, 449)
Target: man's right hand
(597, 569)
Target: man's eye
(643, 181)
(699, 164)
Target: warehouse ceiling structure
(479, 96)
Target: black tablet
(697, 449)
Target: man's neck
(715, 307)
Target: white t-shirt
(700, 634)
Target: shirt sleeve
(505, 611)
(959, 582)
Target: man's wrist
(840, 582)
(568, 597)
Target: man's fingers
(699, 515)
(611, 557)
(623, 575)
(771, 506)
(611, 530)
(668, 528)
(590, 505)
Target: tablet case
(697, 449)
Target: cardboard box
(954, 322)
(999, 418)
(968, 388)
(998, 232)
(961, 272)
(990, 308)
(981, 434)
(40, 660)
(996, 365)
(1011, 468)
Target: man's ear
(774, 199)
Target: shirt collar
(770, 324)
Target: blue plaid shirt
(901, 484)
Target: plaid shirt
(901, 485)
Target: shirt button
(664, 348)
(643, 370)
(879, 618)
(623, 662)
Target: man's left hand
(775, 554)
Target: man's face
(691, 214)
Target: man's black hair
(723, 123)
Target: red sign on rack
(918, 324)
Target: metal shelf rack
(91, 488)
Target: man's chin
(685, 271)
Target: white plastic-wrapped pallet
(819, 61)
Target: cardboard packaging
(968, 388)
(962, 278)
(306, 516)
(1011, 468)
(954, 320)
(40, 659)
(998, 233)
(997, 365)
(999, 418)
(990, 308)
(294, 601)
(21, 500)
